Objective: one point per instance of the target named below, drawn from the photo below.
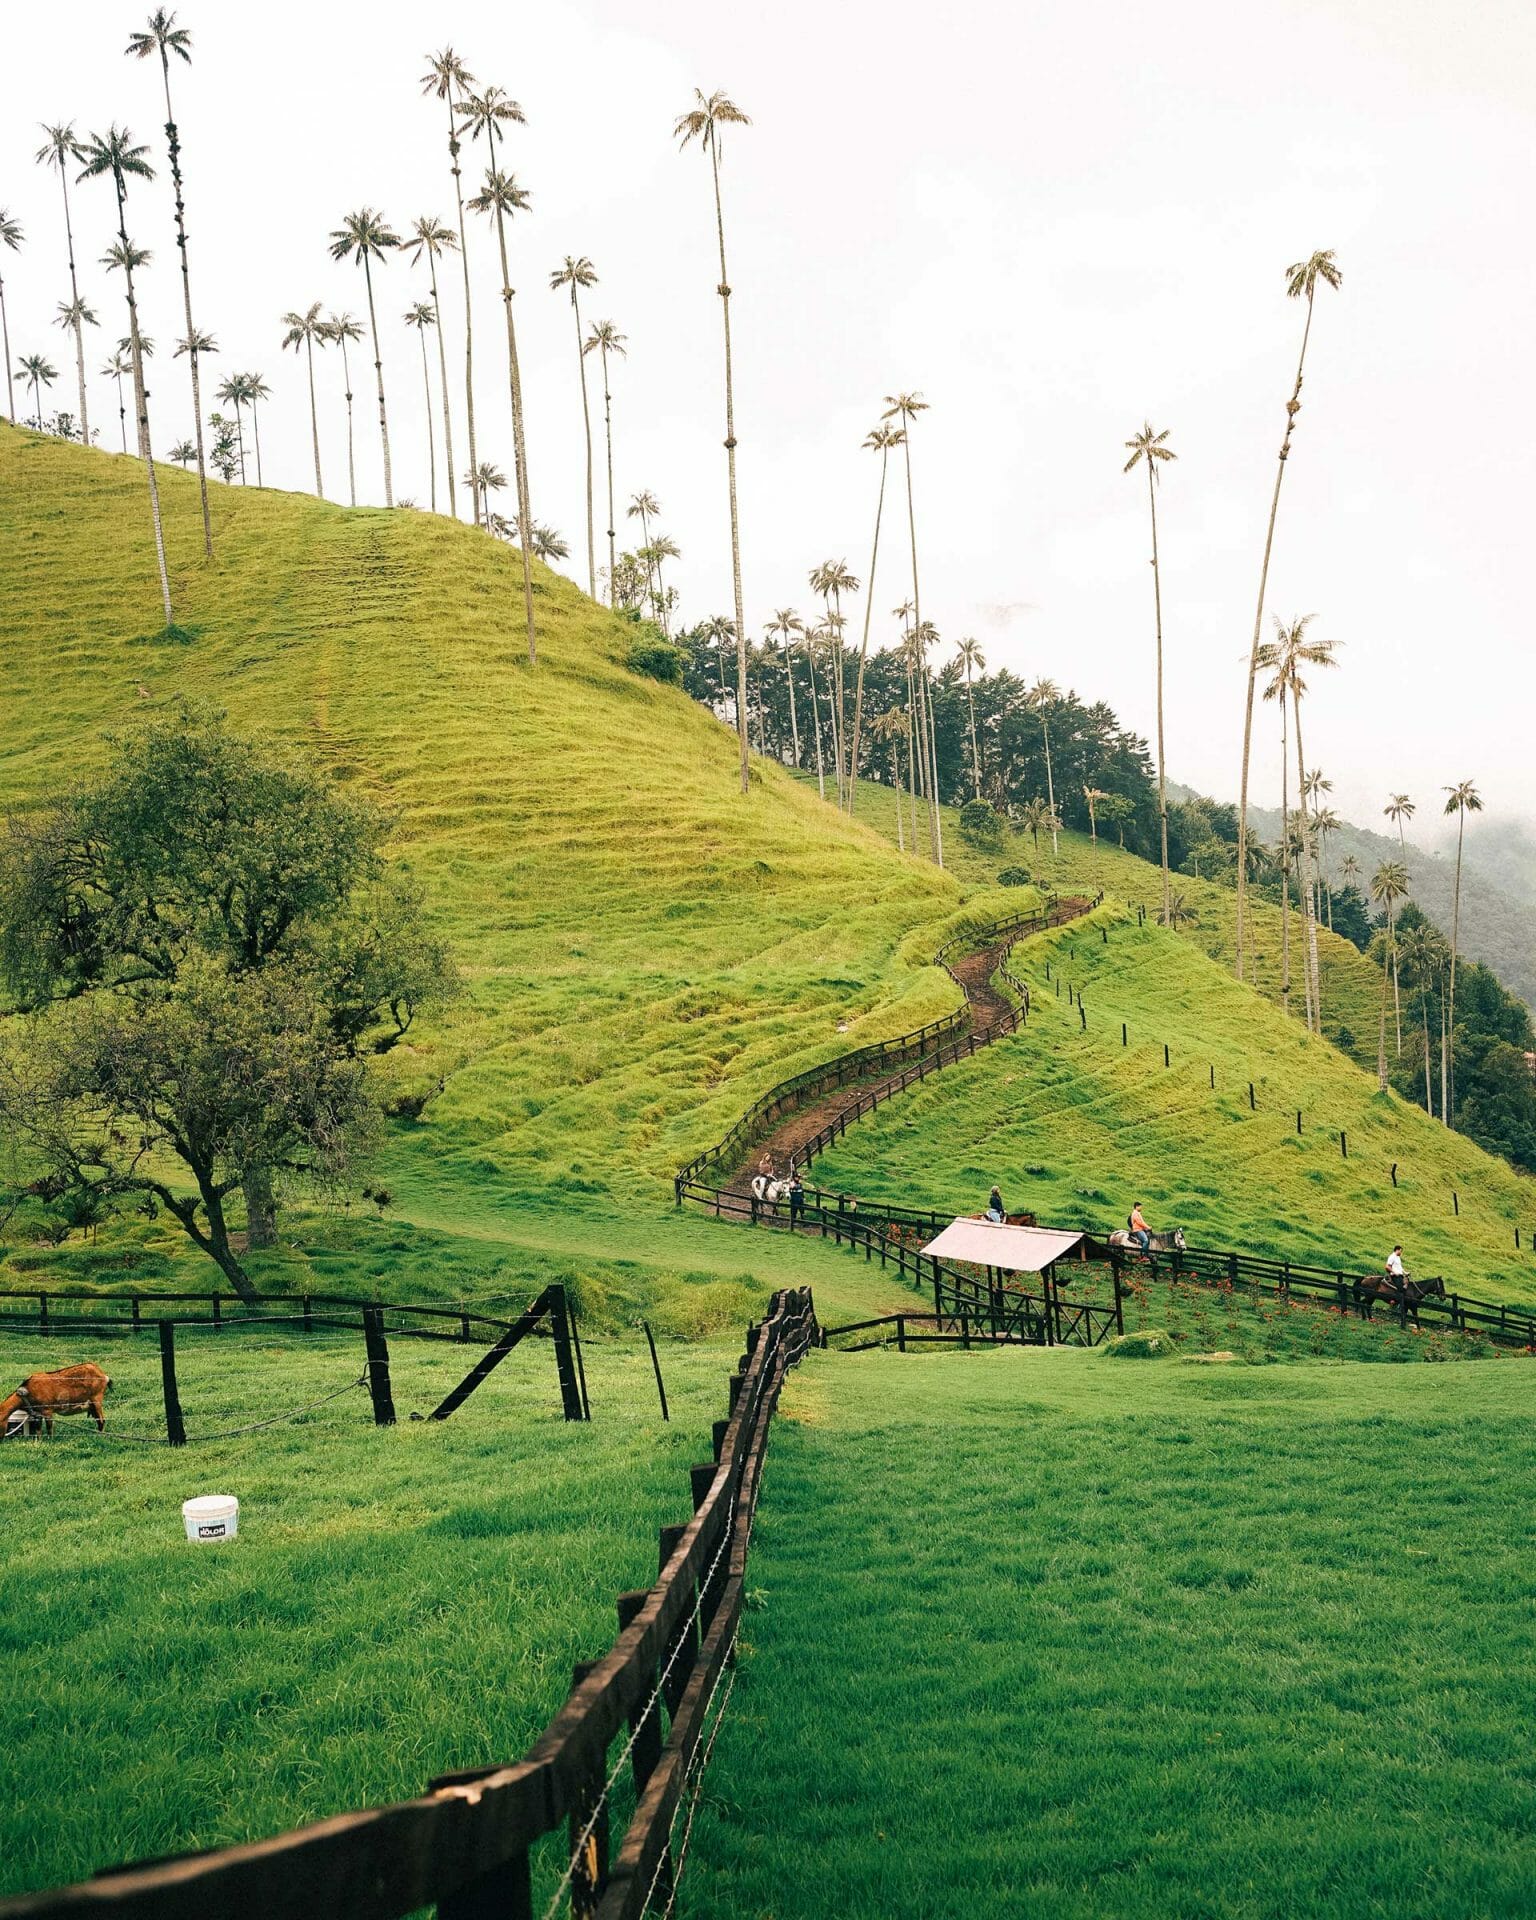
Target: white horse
(1127, 1242)
(768, 1190)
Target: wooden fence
(464, 1844)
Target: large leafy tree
(1150, 447)
(60, 150)
(366, 236)
(162, 36)
(201, 946)
(1301, 283)
(703, 122)
(430, 238)
(113, 154)
(576, 273)
(305, 330)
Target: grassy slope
(1077, 1127)
(1116, 1638)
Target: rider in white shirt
(1395, 1269)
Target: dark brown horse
(1403, 1296)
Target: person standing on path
(796, 1198)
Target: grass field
(399, 1602)
(1051, 1633)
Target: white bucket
(211, 1516)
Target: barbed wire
(230, 1433)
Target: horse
(768, 1189)
(42, 1395)
(1404, 1294)
(1124, 1241)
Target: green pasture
(399, 1602)
(1077, 1126)
(1060, 1634)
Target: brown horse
(1403, 1295)
(40, 1396)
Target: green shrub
(1151, 1343)
(981, 824)
(658, 660)
(1015, 877)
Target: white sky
(1052, 220)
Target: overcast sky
(1053, 220)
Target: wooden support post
(218, 1320)
(1125, 1035)
(650, 1341)
(505, 1893)
(1081, 1013)
(686, 1635)
(646, 1727)
(1166, 1061)
(1213, 1078)
(135, 1301)
(565, 1363)
(309, 1321)
(588, 1849)
(1343, 1144)
(42, 1312)
(581, 1370)
(378, 1368)
(175, 1427)
(1298, 1122)
(1251, 1102)
(901, 1333)
(1455, 1203)
(1394, 1173)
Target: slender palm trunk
(586, 428)
(122, 410)
(901, 837)
(789, 675)
(426, 391)
(821, 770)
(869, 607)
(173, 139)
(378, 374)
(730, 457)
(256, 430)
(613, 566)
(10, 390)
(141, 397)
(917, 627)
(1448, 1092)
(1445, 1081)
(37, 403)
(1292, 408)
(1309, 868)
(239, 438)
(346, 381)
(314, 414)
(519, 451)
(650, 559)
(442, 367)
(930, 690)
(1381, 1036)
(970, 701)
(1162, 762)
(1429, 1096)
(74, 295)
(469, 328)
(1285, 864)
(1050, 786)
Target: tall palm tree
(703, 122)
(236, 392)
(114, 153)
(1424, 953)
(1148, 446)
(256, 391)
(119, 367)
(1398, 809)
(1389, 884)
(832, 580)
(421, 316)
(1038, 813)
(719, 631)
(304, 329)
(576, 274)
(487, 479)
(342, 327)
(1044, 696)
(604, 339)
(488, 113)
(429, 237)
(183, 453)
(972, 660)
(366, 236)
(451, 81)
(890, 729)
(37, 373)
(1299, 653)
(61, 150)
(905, 407)
(644, 507)
(785, 622)
(164, 37)
(1351, 870)
(10, 236)
(1300, 283)
(816, 647)
(1314, 785)
(1272, 660)
(880, 441)
(1462, 799)
(75, 316)
(663, 547)
(1325, 823)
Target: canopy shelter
(983, 1243)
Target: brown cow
(68, 1390)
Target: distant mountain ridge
(1498, 885)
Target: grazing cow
(1405, 1294)
(1126, 1242)
(40, 1396)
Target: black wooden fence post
(175, 1427)
(588, 1831)
(650, 1340)
(565, 1366)
(378, 1368)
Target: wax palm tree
(880, 441)
(662, 548)
(483, 482)
(905, 407)
(421, 316)
(451, 81)
(1148, 447)
(1351, 870)
(1326, 823)
(1178, 913)
(577, 273)
(1462, 799)
(889, 730)
(720, 633)
(1038, 813)
(785, 622)
(1045, 696)
(162, 36)
(36, 372)
(1093, 795)
(604, 339)
(1272, 661)
(1301, 282)
(1314, 785)
(114, 153)
(304, 330)
(1424, 953)
(60, 150)
(341, 328)
(183, 453)
(817, 645)
(75, 316)
(256, 392)
(832, 580)
(366, 236)
(971, 660)
(1389, 884)
(119, 368)
(1301, 653)
(644, 507)
(11, 236)
(236, 392)
(703, 122)
(429, 238)
(1398, 809)
(548, 545)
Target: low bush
(981, 824)
(657, 660)
(1150, 1343)
(1015, 877)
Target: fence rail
(464, 1844)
